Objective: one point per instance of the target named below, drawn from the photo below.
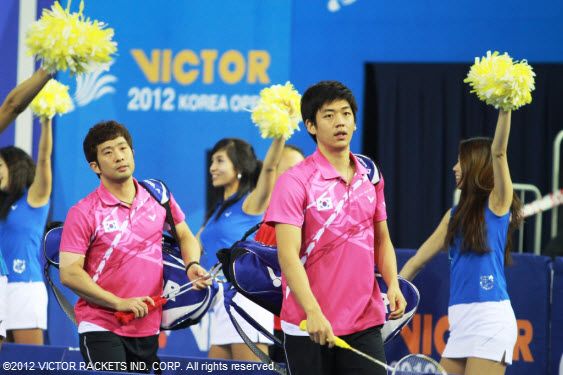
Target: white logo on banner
(94, 85)
(335, 5)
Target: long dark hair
(476, 184)
(244, 160)
(21, 172)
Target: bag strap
(229, 295)
(250, 231)
(66, 306)
(374, 175)
(160, 192)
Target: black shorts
(307, 358)
(106, 351)
(277, 354)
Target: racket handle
(337, 340)
(125, 317)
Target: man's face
(334, 126)
(115, 160)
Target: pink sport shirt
(337, 244)
(123, 250)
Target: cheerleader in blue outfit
(15, 102)
(477, 233)
(25, 190)
(244, 187)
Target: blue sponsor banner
(428, 331)
(185, 76)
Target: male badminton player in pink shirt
(331, 231)
(111, 255)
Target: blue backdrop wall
(186, 72)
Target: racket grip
(337, 340)
(125, 317)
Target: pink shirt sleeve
(287, 204)
(380, 209)
(177, 213)
(77, 232)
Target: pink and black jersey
(337, 245)
(123, 253)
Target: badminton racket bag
(189, 307)
(254, 271)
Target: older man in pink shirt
(111, 255)
(331, 231)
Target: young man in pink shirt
(331, 231)
(111, 255)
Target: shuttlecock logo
(94, 85)
(335, 5)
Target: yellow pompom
(52, 99)
(500, 82)
(278, 111)
(64, 40)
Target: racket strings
(417, 364)
(213, 275)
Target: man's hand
(197, 272)
(137, 305)
(397, 302)
(319, 328)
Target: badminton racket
(125, 317)
(410, 364)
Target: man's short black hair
(323, 93)
(102, 132)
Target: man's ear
(94, 167)
(311, 127)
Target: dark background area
(414, 117)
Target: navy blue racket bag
(185, 306)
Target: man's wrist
(190, 264)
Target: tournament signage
(186, 75)
(188, 67)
